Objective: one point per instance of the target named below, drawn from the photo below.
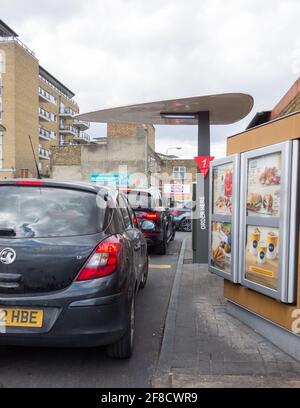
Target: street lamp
(175, 147)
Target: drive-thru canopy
(222, 109)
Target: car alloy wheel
(186, 225)
(145, 275)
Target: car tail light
(104, 260)
(28, 183)
(151, 216)
(175, 212)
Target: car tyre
(123, 348)
(173, 234)
(186, 225)
(145, 275)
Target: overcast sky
(116, 52)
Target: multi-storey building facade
(34, 106)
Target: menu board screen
(222, 189)
(262, 262)
(264, 177)
(221, 246)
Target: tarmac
(204, 347)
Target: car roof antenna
(36, 164)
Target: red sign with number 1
(203, 162)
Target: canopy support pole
(201, 215)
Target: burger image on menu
(254, 202)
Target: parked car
(154, 219)
(182, 217)
(71, 262)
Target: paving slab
(210, 348)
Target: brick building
(125, 145)
(128, 149)
(288, 104)
(32, 103)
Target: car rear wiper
(7, 232)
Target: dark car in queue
(183, 217)
(71, 262)
(155, 220)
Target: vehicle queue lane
(53, 367)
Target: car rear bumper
(153, 240)
(82, 323)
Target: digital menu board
(223, 256)
(264, 179)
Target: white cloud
(114, 52)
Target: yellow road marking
(154, 266)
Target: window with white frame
(179, 172)
(2, 62)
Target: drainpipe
(146, 151)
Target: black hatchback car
(155, 219)
(71, 262)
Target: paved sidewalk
(213, 349)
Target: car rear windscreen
(141, 199)
(44, 212)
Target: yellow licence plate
(11, 317)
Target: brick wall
(191, 168)
(131, 130)
(289, 103)
(67, 155)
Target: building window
(179, 172)
(2, 62)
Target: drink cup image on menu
(262, 252)
(262, 255)
(272, 242)
(255, 238)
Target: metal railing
(44, 113)
(67, 111)
(16, 40)
(47, 95)
(83, 136)
(68, 128)
(58, 91)
(81, 122)
(46, 134)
